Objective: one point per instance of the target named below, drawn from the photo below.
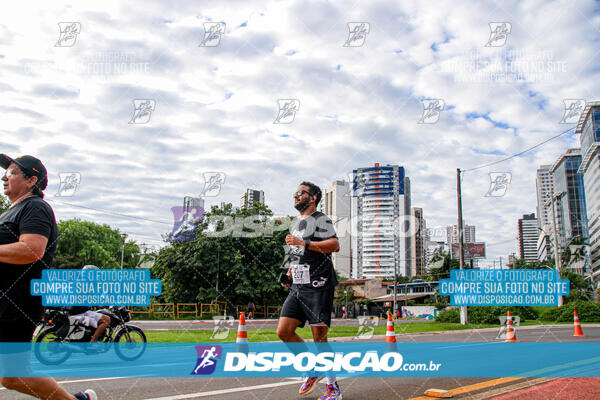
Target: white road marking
(85, 380)
(232, 390)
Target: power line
(520, 153)
(112, 212)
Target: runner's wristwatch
(306, 243)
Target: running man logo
(142, 111)
(287, 111)
(366, 326)
(357, 34)
(432, 109)
(69, 182)
(185, 222)
(499, 32)
(356, 185)
(207, 359)
(223, 324)
(499, 182)
(573, 110)
(68, 33)
(212, 34)
(212, 183)
(502, 330)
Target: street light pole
(463, 309)
(124, 235)
(556, 252)
(346, 302)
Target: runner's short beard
(302, 205)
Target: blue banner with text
(511, 287)
(276, 359)
(95, 287)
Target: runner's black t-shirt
(316, 228)
(34, 216)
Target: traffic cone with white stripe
(241, 342)
(577, 331)
(511, 334)
(390, 335)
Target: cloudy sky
(68, 98)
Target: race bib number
(301, 274)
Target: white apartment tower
(381, 220)
(335, 203)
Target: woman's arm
(30, 248)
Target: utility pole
(395, 284)
(218, 270)
(463, 309)
(124, 235)
(556, 252)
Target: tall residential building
(452, 234)
(528, 237)
(570, 208)
(336, 204)
(544, 187)
(589, 128)
(252, 196)
(418, 242)
(192, 206)
(544, 245)
(381, 219)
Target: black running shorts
(313, 306)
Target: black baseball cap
(29, 164)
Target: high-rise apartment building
(335, 203)
(528, 237)
(381, 219)
(252, 196)
(589, 128)
(418, 236)
(544, 188)
(452, 234)
(570, 207)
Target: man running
(312, 240)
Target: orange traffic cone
(390, 335)
(577, 331)
(241, 342)
(511, 335)
(242, 335)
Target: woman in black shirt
(28, 237)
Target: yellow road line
(476, 386)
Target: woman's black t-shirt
(30, 216)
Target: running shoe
(309, 384)
(332, 393)
(87, 395)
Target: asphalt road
(357, 387)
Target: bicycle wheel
(49, 348)
(130, 343)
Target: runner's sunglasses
(301, 192)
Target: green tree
(83, 242)
(441, 266)
(579, 287)
(3, 203)
(245, 268)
